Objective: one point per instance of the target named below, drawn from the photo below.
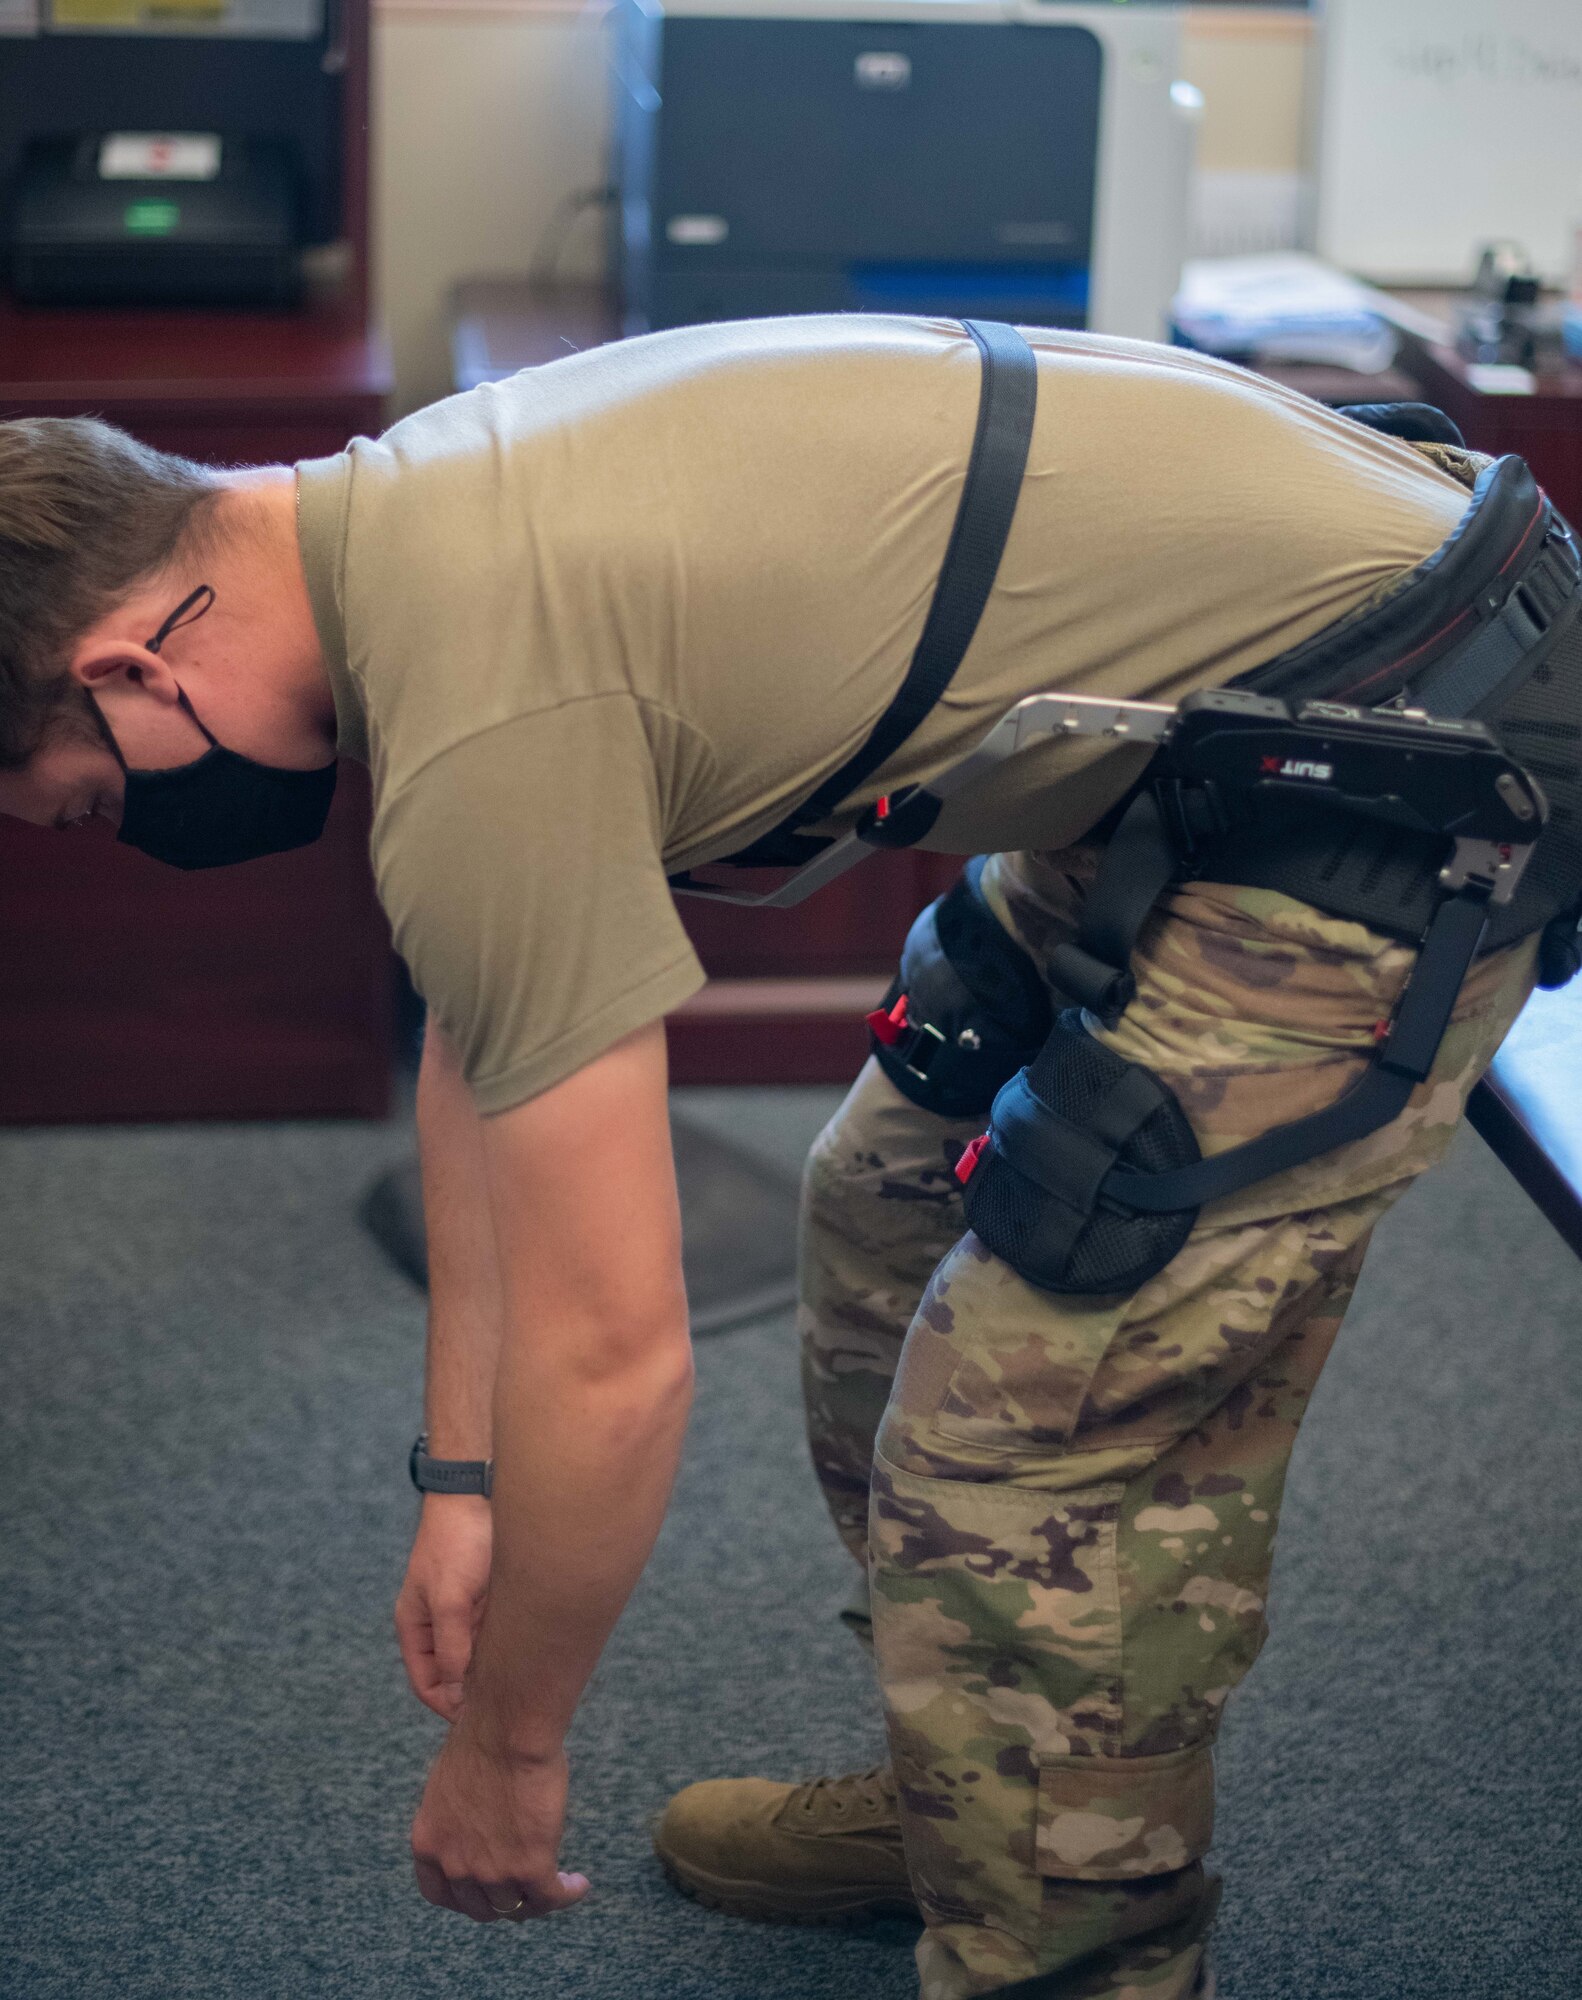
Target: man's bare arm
(466, 1306)
(593, 1387)
(447, 1580)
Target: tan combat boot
(816, 1853)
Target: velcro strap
(1139, 861)
(1065, 1161)
(1381, 1094)
(1373, 1102)
(1512, 641)
(1430, 996)
(936, 991)
(1069, 1162)
(1458, 685)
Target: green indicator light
(152, 218)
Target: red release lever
(889, 1028)
(970, 1158)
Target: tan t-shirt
(617, 615)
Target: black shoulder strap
(1006, 406)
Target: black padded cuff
(976, 1009)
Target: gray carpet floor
(211, 1757)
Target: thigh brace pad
(1034, 1195)
(966, 1009)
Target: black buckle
(899, 819)
(924, 1038)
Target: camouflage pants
(1066, 1507)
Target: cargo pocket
(1102, 1819)
(1022, 1360)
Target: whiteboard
(1443, 124)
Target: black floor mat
(738, 1222)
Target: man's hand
(442, 1599)
(487, 1834)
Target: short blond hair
(86, 514)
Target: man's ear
(101, 663)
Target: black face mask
(224, 807)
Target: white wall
(1255, 147)
(486, 120)
(483, 123)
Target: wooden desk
(500, 325)
(133, 991)
(240, 388)
(1545, 428)
(129, 990)
(1529, 1107)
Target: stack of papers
(1284, 307)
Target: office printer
(1008, 159)
(147, 218)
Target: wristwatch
(448, 1475)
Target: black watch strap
(448, 1475)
